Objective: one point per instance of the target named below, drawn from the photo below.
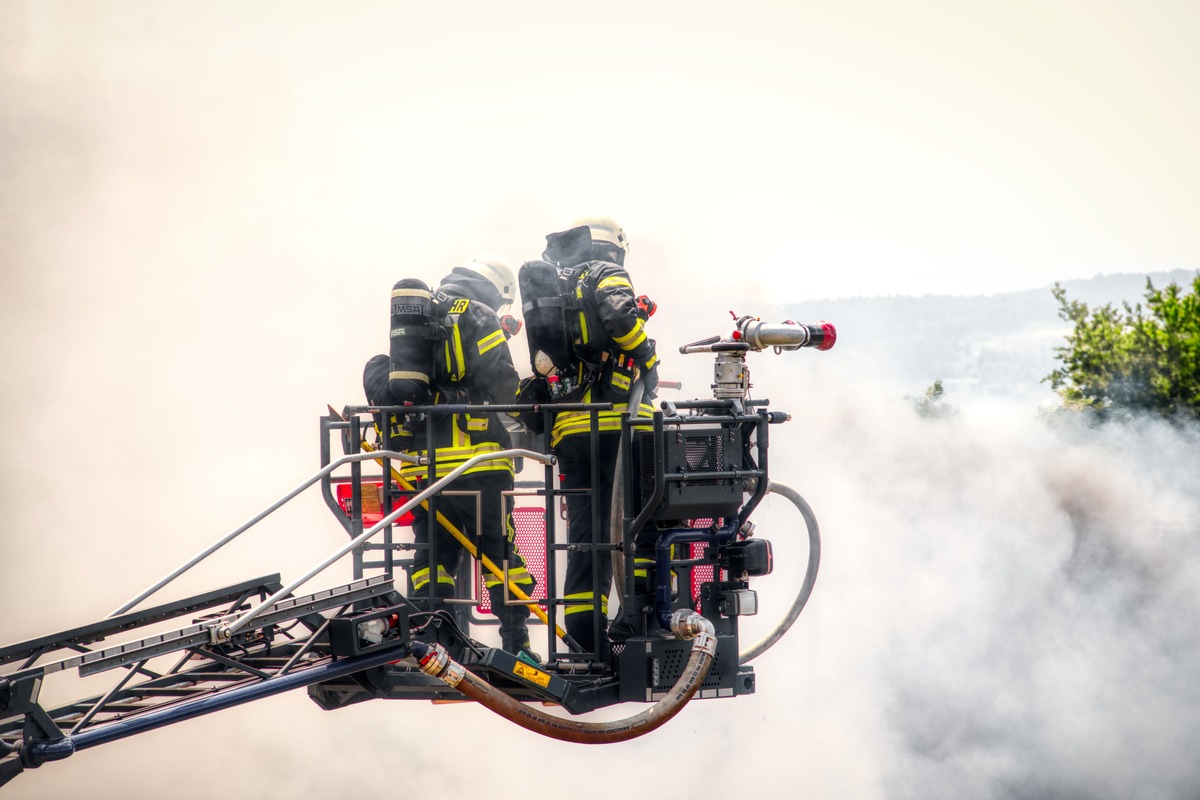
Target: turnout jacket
(609, 345)
(472, 366)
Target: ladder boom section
(202, 634)
(76, 638)
(167, 677)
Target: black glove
(532, 391)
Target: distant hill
(984, 344)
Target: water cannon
(751, 333)
(787, 335)
(731, 376)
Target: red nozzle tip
(830, 335)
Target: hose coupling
(433, 661)
(687, 624)
(454, 674)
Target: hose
(616, 517)
(434, 660)
(810, 575)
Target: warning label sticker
(531, 674)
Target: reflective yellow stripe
(650, 362)
(455, 363)
(477, 423)
(632, 339)
(450, 457)
(517, 576)
(585, 607)
(420, 578)
(571, 423)
(614, 280)
(458, 354)
(620, 381)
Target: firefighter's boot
(514, 626)
(631, 619)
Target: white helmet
(496, 271)
(605, 229)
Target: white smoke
(1003, 611)
(1018, 591)
(203, 212)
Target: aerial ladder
(689, 477)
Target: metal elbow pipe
(433, 660)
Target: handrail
(226, 630)
(229, 537)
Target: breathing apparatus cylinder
(545, 325)
(411, 336)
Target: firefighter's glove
(646, 307)
(510, 325)
(532, 391)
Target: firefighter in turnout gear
(609, 350)
(471, 365)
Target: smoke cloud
(1018, 591)
(202, 213)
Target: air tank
(545, 325)
(411, 337)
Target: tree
(933, 404)
(1139, 359)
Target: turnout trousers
(496, 540)
(589, 571)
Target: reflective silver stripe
(490, 341)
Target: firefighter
(471, 365)
(609, 351)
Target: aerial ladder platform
(690, 476)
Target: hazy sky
(204, 205)
(832, 148)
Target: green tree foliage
(933, 405)
(1135, 359)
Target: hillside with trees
(1000, 344)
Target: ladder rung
(171, 691)
(217, 676)
(123, 706)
